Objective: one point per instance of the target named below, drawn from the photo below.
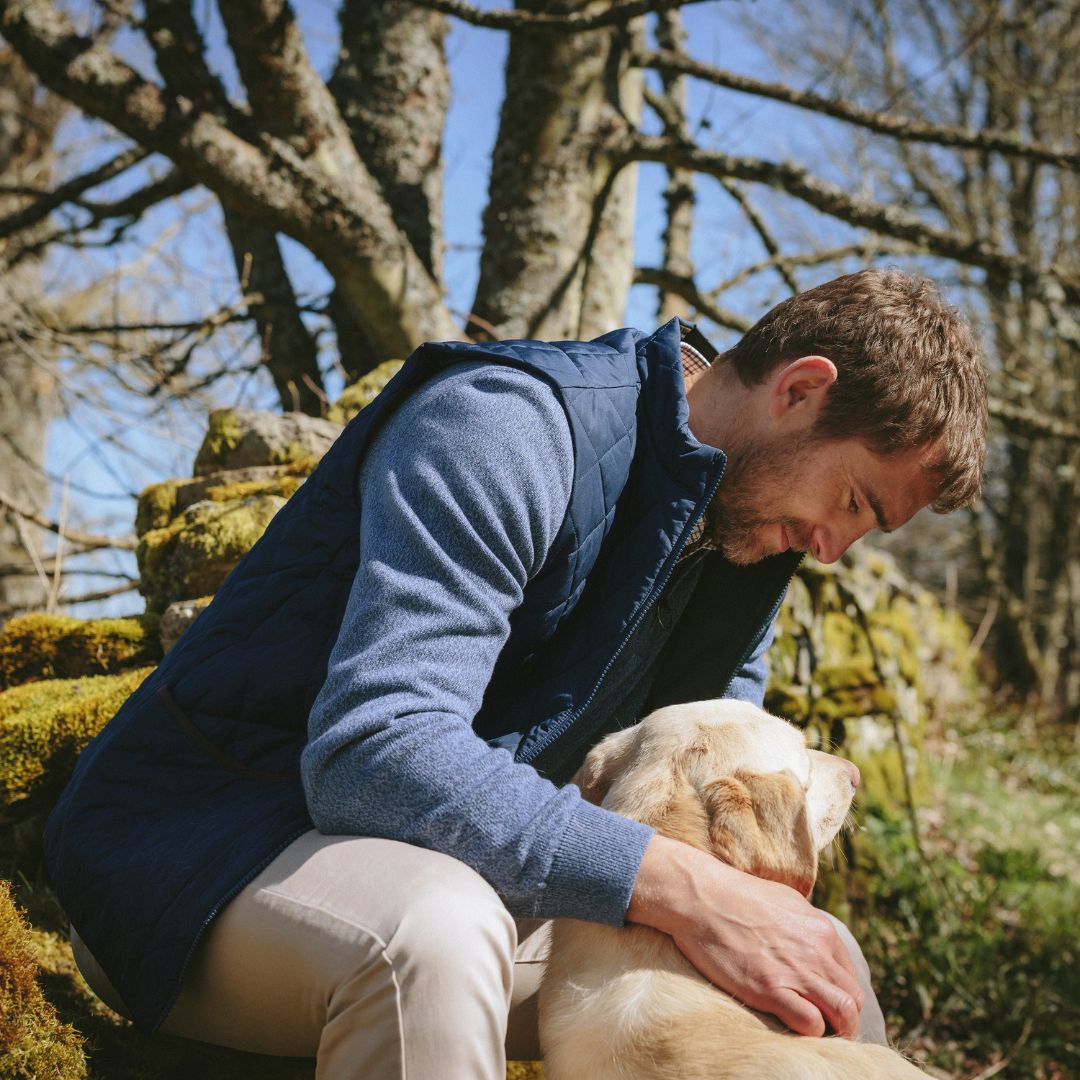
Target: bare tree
(957, 122)
(990, 97)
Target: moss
(524, 1070)
(40, 646)
(282, 486)
(238, 438)
(192, 555)
(44, 727)
(362, 392)
(160, 504)
(34, 1043)
(222, 437)
(157, 505)
(824, 676)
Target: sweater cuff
(595, 866)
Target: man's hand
(758, 940)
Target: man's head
(860, 402)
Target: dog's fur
(618, 1004)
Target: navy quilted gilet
(187, 794)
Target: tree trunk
(558, 257)
(392, 87)
(26, 376)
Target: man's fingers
(837, 1003)
(794, 1011)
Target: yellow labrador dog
(625, 1004)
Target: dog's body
(625, 1004)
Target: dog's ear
(604, 762)
(758, 822)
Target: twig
(121, 543)
(30, 547)
(849, 598)
(984, 626)
(58, 554)
(572, 21)
(102, 594)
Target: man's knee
(456, 930)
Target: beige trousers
(377, 958)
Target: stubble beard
(748, 501)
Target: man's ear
(605, 761)
(800, 387)
(758, 822)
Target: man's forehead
(895, 486)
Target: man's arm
(749, 682)
(462, 494)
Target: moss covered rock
(861, 658)
(192, 555)
(241, 438)
(362, 392)
(159, 504)
(34, 1043)
(40, 646)
(43, 728)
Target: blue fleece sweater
(462, 493)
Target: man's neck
(723, 410)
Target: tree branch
(47, 201)
(864, 250)
(287, 97)
(834, 201)
(287, 347)
(898, 127)
(757, 223)
(345, 224)
(87, 540)
(686, 288)
(617, 14)
(1019, 420)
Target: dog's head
(729, 778)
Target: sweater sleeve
(462, 494)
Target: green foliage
(40, 646)
(362, 392)
(973, 940)
(43, 728)
(34, 1043)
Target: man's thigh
(345, 938)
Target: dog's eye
(853, 505)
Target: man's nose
(826, 548)
(827, 545)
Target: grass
(975, 946)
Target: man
(516, 549)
